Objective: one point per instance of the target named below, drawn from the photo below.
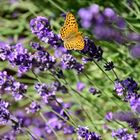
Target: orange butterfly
(70, 35)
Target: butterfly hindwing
(76, 43)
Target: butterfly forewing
(69, 27)
(70, 35)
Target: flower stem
(57, 6)
(42, 116)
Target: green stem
(36, 76)
(65, 110)
(57, 6)
(42, 116)
(103, 71)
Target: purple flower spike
(69, 62)
(9, 85)
(83, 132)
(45, 91)
(40, 26)
(4, 112)
(122, 134)
(33, 108)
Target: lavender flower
(69, 62)
(80, 86)
(46, 92)
(92, 136)
(17, 55)
(91, 51)
(93, 90)
(33, 108)
(130, 85)
(109, 116)
(9, 85)
(4, 112)
(101, 23)
(135, 103)
(20, 57)
(55, 123)
(83, 132)
(109, 66)
(122, 134)
(43, 60)
(5, 49)
(40, 26)
(128, 117)
(135, 51)
(68, 129)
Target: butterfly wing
(76, 43)
(70, 26)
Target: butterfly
(73, 39)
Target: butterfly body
(70, 35)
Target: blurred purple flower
(128, 117)
(109, 13)
(122, 134)
(101, 23)
(80, 86)
(68, 129)
(104, 32)
(55, 124)
(109, 116)
(92, 90)
(135, 51)
(92, 136)
(119, 88)
(135, 103)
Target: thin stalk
(57, 6)
(103, 71)
(42, 116)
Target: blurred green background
(15, 16)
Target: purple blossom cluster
(41, 59)
(128, 88)
(4, 112)
(129, 117)
(33, 107)
(84, 133)
(47, 92)
(47, 113)
(69, 62)
(91, 51)
(41, 27)
(122, 134)
(18, 56)
(9, 85)
(105, 25)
